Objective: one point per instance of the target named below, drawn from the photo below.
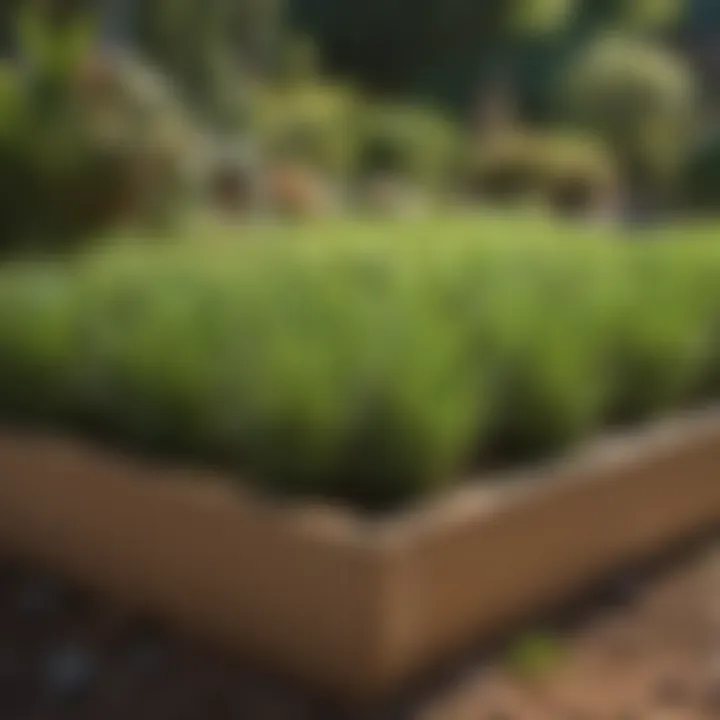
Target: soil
(643, 646)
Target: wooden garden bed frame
(353, 605)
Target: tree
(396, 45)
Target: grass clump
(366, 363)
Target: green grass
(369, 362)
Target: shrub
(570, 174)
(580, 176)
(303, 119)
(42, 150)
(412, 142)
(505, 168)
(639, 98)
(86, 140)
(310, 123)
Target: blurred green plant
(664, 339)
(410, 141)
(580, 176)
(369, 364)
(87, 139)
(504, 168)
(302, 119)
(535, 656)
(567, 173)
(43, 152)
(640, 99)
(533, 18)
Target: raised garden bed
(326, 381)
(353, 605)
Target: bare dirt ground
(646, 648)
(643, 646)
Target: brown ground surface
(649, 650)
(645, 646)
